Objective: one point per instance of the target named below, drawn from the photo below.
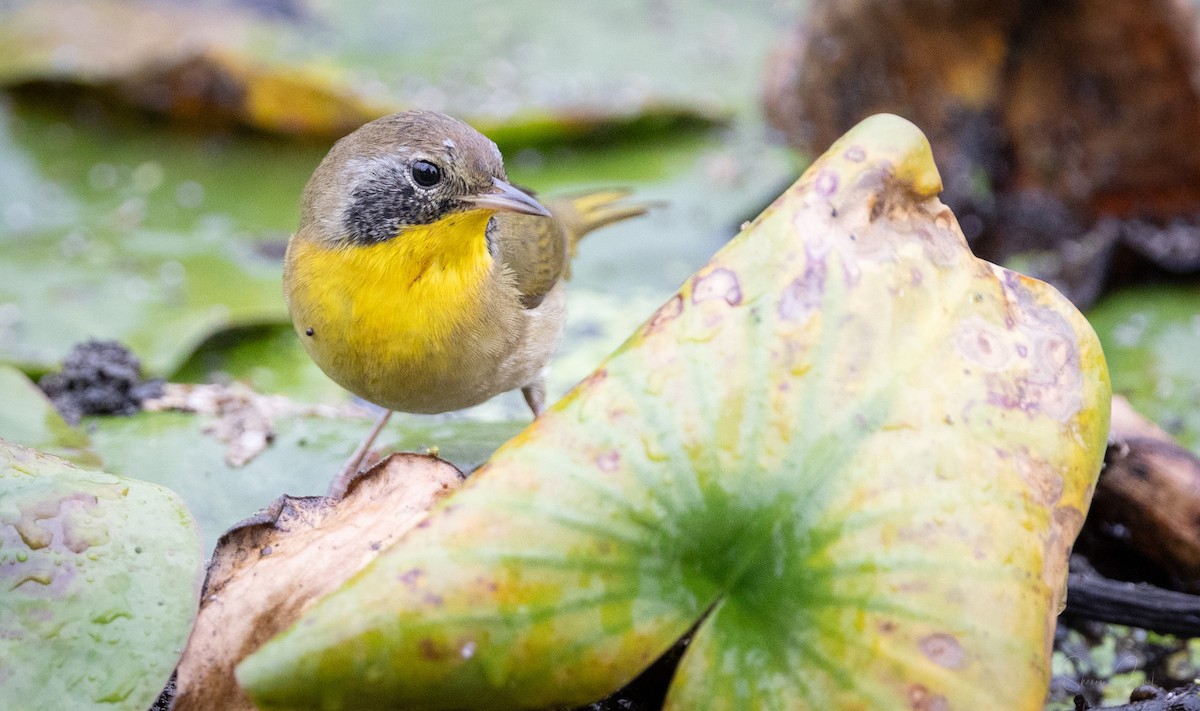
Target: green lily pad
(527, 74)
(532, 58)
(1151, 335)
(269, 359)
(28, 418)
(849, 451)
(302, 459)
(99, 582)
(149, 238)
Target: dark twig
(1091, 597)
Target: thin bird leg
(337, 488)
(535, 396)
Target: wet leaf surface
(99, 579)
(857, 452)
(302, 459)
(147, 238)
(267, 570)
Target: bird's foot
(337, 488)
(535, 397)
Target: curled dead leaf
(267, 570)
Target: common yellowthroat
(420, 279)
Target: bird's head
(405, 170)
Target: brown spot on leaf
(720, 283)
(666, 313)
(44, 521)
(944, 650)
(38, 578)
(855, 154)
(982, 344)
(598, 376)
(1043, 479)
(608, 461)
(1069, 520)
(921, 699)
(430, 650)
(804, 294)
(826, 183)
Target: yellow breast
(389, 312)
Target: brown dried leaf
(267, 570)
(241, 419)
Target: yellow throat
(396, 302)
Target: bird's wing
(538, 250)
(534, 249)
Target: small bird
(421, 280)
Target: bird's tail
(584, 212)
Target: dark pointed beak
(506, 198)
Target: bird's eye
(426, 174)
